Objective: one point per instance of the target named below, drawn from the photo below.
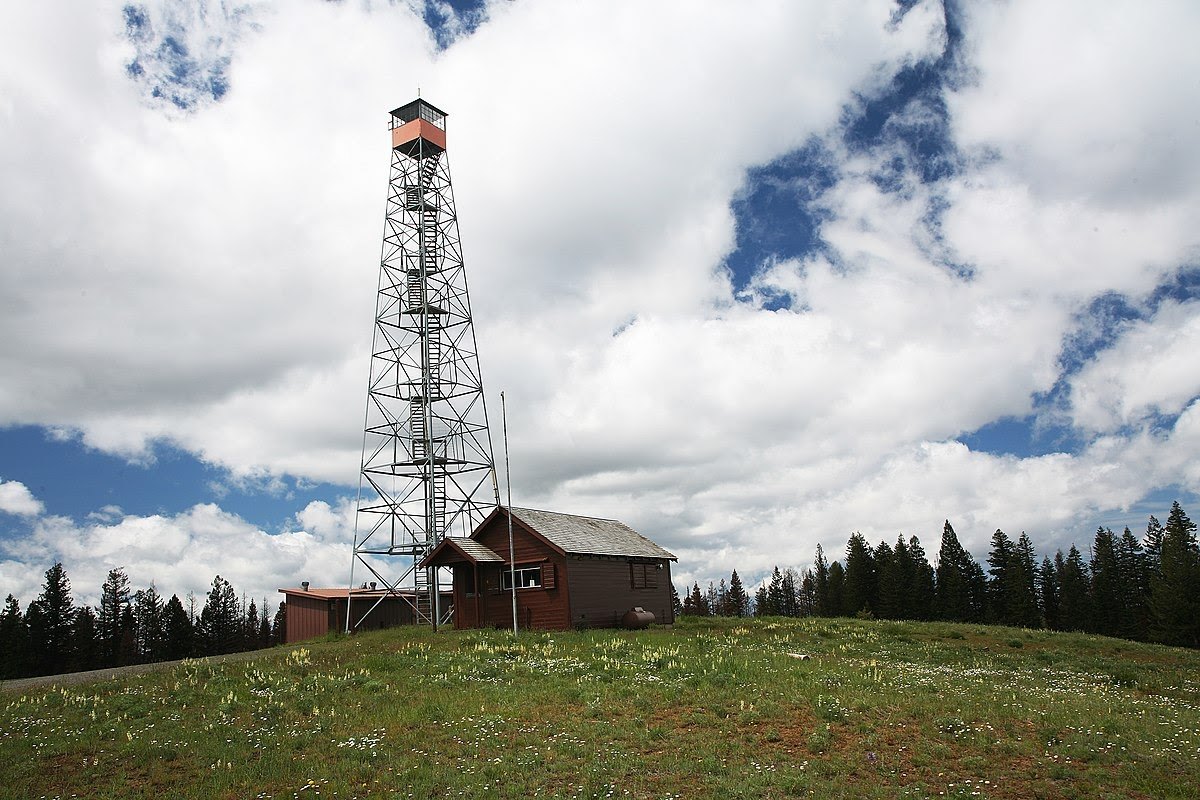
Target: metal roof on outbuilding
(589, 535)
(339, 592)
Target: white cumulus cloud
(15, 498)
(1151, 370)
(207, 276)
(182, 552)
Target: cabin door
(466, 596)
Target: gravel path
(76, 678)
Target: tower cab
(418, 129)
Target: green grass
(711, 708)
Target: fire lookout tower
(427, 465)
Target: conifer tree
(761, 608)
(821, 585)
(221, 619)
(1073, 591)
(37, 660)
(264, 624)
(148, 624)
(279, 625)
(737, 602)
(1012, 593)
(1173, 590)
(85, 645)
(49, 619)
(806, 598)
(999, 591)
(923, 589)
(1024, 605)
(1106, 585)
(250, 637)
(114, 598)
(1153, 544)
(14, 641)
(1048, 593)
(775, 594)
(837, 583)
(895, 581)
(713, 600)
(976, 590)
(127, 652)
(699, 602)
(957, 592)
(788, 595)
(177, 630)
(861, 586)
(676, 606)
(1135, 587)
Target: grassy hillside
(711, 708)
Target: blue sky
(76, 480)
(880, 266)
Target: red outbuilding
(313, 612)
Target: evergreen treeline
(54, 636)
(1147, 589)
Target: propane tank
(636, 618)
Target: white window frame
(527, 578)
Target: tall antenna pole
(512, 554)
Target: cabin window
(644, 576)
(527, 578)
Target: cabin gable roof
(577, 535)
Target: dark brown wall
(603, 589)
(309, 617)
(391, 612)
(540, 608)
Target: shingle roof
(476, 550)
(590, 536)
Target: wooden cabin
(570, 572)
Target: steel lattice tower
(427, 466)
